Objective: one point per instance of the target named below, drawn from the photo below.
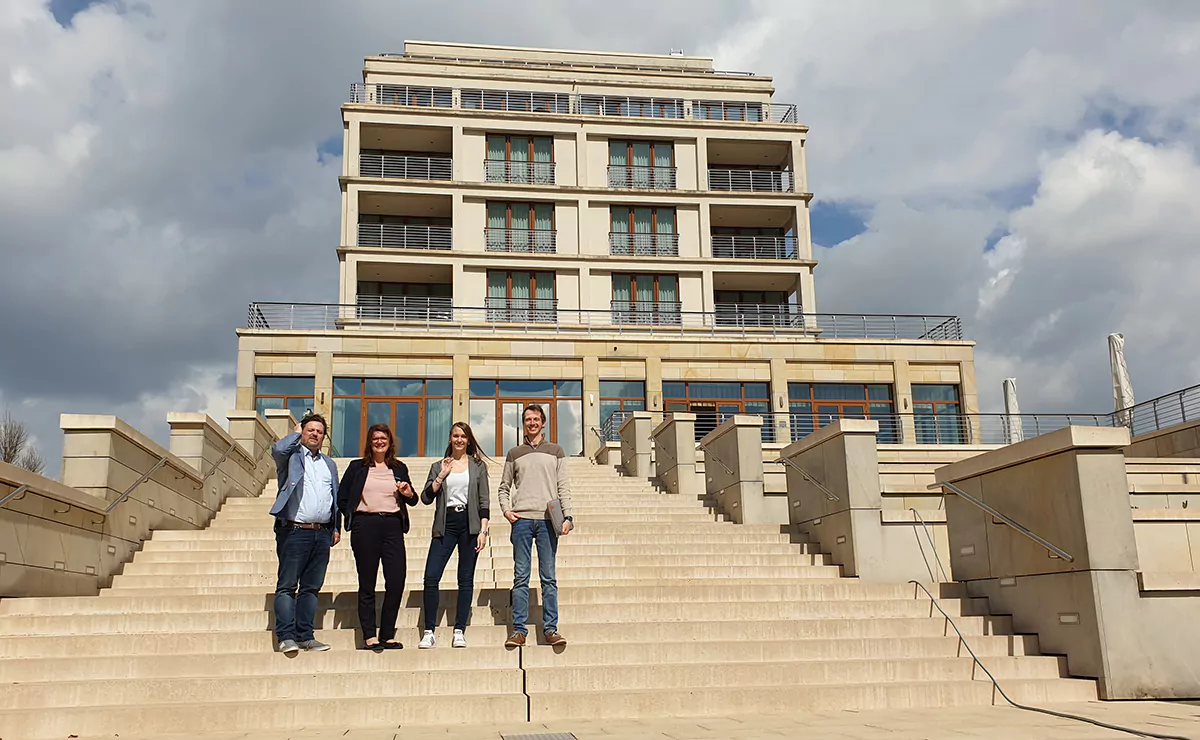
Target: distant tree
(15, 447)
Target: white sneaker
(460, 640)
(428, 641)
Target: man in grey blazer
(307, 524)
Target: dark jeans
(303, 557)
(524, 533)
(374, 538)
(458, 535)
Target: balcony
(423, 97)
(516, 100)
(405, 236)
(643, 245)
(404, 308)
(627, 107)
(507, 170)
(522, 310)
(657, 313)
(727, 246)
(530, 241)
(652, 178)
(757, 314)
(737, 110)
(405, 167)
(752, 181)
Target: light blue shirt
(316, 492)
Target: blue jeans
(457, 537)
(303, 558)
(524, 533)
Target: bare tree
(15, 448)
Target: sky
(1029, 166)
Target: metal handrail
(709, 453)
(217, 464)
(16, 492)
(751, 181)
(808, 477)
(650, 177)
(754, 247)
(1058, 551)
(929, 536)
(643, 244)
(518, 171)
(145, 477)
(405, 167)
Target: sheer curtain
(619, 241)
(665, 241)
(437, 425)
(520, 156)
(543, 224)
(497, 215)
(543, 155)
(668, 296)
(641, 164)
(643, 243)
(643, 287)
(663, 158)
(497, 295)
(520, 297)
(618, 164)
(544, 296)
(496, 155)
(622, 295)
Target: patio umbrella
(1122, 386)
(1012, 419)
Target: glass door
(512, 432)
(404, 418)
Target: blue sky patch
(330, 147)
(834, 223)
(64, 11)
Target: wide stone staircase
(669, 612)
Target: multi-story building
(595, 232)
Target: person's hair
(315, 417)
(536, 408)
(472, 446)
(389, 457)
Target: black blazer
(350, 491)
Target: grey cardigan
(478, 495)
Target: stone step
(626, 530)
(205, 540)
(215, 552)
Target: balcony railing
(756, 314)
(728, 246)
(507, 170)
(516, 100)
(752, 181)
(656, 313)
(424, 97)
(405, 236)
(665, 320)
(539, 241)
(643, 245)
(610, 429)
(653, 178)
(529, 101)
(522, 310)
(404, 308)
(405, 168)
(1162, 412)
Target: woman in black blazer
(459, 485)
(374, 497)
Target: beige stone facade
(591, 218)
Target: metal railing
(405, 236)
(708, 453)
(405, 308)
(658, 313)
(752, 181)
(539, 241)
(145, 477)
(654, 178)
(738, 110)
(643, 245)
(731, 246)
(528, 173)
(774, 425)
(808, 477)
(1162, 412)
(403, 167)
(756, 314)
(16, 493)
(522, 310)
(1054, 549)
(424, 97)
(629, 107)
(610, 429)
(558, 64)
(475, 319)
(526, 101)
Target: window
(814, 405)
(643, 231)
(520, 227)
(641, 164)
(646, 299)
(291, 393)
(405, 301)
(621, 395)
(417, 410)
(528, 159)
(497, 406)
(714, 401)
(937, 417)
(520, 296)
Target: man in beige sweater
(538, 469)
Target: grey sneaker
(289, 648)
(312, 646)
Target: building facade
(594, 232)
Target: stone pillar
(779, 399)
(733, 469)
(635, 445)
(281, 422)
(702, 167)
(654, 383)
(245, 379)
(351, 147)
(675, 453)
(255, 437)
(581, 164)
(461, 385)
(591, 406)
(708, 289)
(904, 407)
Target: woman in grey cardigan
(459, 485)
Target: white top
(316, 492)
(456, 488)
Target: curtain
(519, 171)
(665, 222)
(497, 215)
(641, 164)
(620, 239)
(663, 177)
(495, 156)
(668, 295)
(544, 296)
(543, 155)
(643, 224)
(543, 224)
(437, 425)
(519, 237)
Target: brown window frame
(633, 283)
(653, 218)
(508, 147)
(508, 204)
(508, 276)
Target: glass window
(755, 390)
(570, 426)
(674, 389)
(523, 388)
(570, 388)
(417, 410)
(347, 386)
(944, 393)
(621, 395)
(483, 388)
(347, 427)
(814, 405)
(278, 392)
(936, 415)
(439, 387)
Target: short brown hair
(534, 407)
(389, 457)
(315, 417)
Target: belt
(459, 508)
(376, 513)
(308, 525)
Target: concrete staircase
(669, 612)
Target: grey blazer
(478, 495)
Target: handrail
(712, 454)
(929, 536)
(217, 464)
(145, 477)
(596, 431)
(1007, 520)
(808, 477)
(16, 492)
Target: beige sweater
(539, 475)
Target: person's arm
(343, 491)
(564, 487)
(433, 486)
(283, 448)
(410, 498)
(506, 481)
(483, 493)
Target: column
(591, 404)
(462, 386)
(581, 163)
(636, 460)
(702, 163)
(779, 399)
(733, 471)
(350, 216)
(458, 153)
(654, 381)
(709, 291)
(675, 454)
(351, 147)
(245, 379)
(323, 402)
(903, 400)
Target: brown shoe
(555, 639)
(516, 639)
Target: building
(594, 232)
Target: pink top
(379, 492)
